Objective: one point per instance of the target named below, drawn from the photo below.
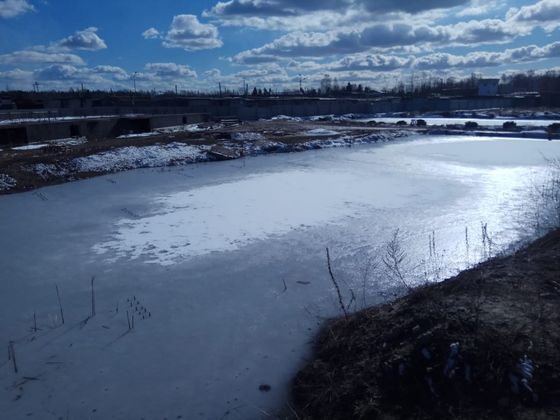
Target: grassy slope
(389, 361)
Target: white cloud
(213, 74)
(16, 75)
(481, 7)
(379, 36)
(57, 52)
(86, 39)
(117, 73)
(545, 13)
(442, 61)
(188, 33)
(40, 57)
(170, 70)
(316, 14)
(13, 8)
(151, 33)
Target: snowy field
(222, 266)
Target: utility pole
(36, 87)
(134, 80)
(220, 87)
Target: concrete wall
(99, 128)
(444, 104)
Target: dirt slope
(482, 345)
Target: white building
(488, 87)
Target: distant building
(488, 87)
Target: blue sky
(197, 44)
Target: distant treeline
(546, 84)
(528, 82)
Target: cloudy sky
(196, 44)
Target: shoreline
(482, 344)
(29, 167)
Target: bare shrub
(394, 260)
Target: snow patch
(140, 157)
(286, 118)
(247, 136)
(30, 147)
(71, 141)
(48, 170)
(318, 132)
(50, 118)
(7, 182)
(189, 128)
(136, 135)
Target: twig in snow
(467, 243)
(59, 304)
(294, 412)
(92, 297)
(12, 355)
(340, 301)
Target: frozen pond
(228, 259)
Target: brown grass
(374, 364)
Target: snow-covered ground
(222, 266)
(320, 132)
(70, 141)
(139, 157)
(286, 118)
(247, 136)
(53, 117)
(33, 146)
(176, 153)
(6, 182)
(189, 128)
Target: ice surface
(490, 122)
(227, 216)
(222, 322)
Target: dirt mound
(483, 345)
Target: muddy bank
(52, 162)
(482, 345)
(37, 165)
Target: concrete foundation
(92, 128)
